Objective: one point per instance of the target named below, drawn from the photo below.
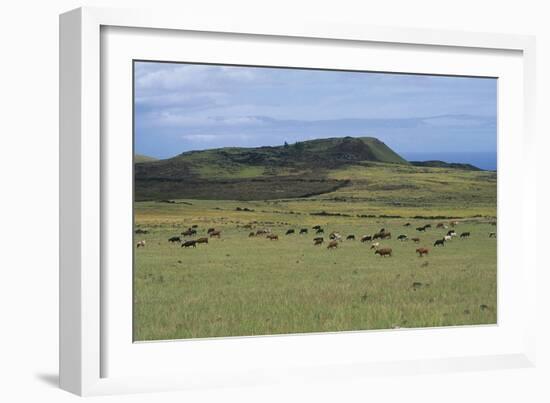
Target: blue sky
(182, 107)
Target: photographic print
(275, 200)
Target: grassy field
(238, 285)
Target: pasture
(239, 285)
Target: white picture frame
(87, 346)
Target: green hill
(442, 164)
(286, 171)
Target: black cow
(464, 235)
(439, 242)
(366, 238)
(187, 244)
(174, 239)
(320, 231)
(290, 231)
(303, 231)
(350, 237)
(402, 237)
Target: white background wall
(29, 187)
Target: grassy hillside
(138, 158)
(295, 170)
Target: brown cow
(217, 233)
(415, 240)
(202, 240)
(383, 252)
(332, 244)
(422, 251)
(317, 241)
(210, 230)
(187, 244)
(273, 237)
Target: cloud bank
(181, 107)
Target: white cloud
(171, 77)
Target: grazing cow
(187, 244)
(383, 252)
(332, 244)
(492, 234)
(290, 231)
(262, 232)
(415, 240)
(407, 224)
(402, 237)
(382, 235)
(189, 232)
(210, 230)
(202, 240)
(273, 237)
(320, 231)
(141, 231)
(318, 241)
(382, 230)
(251, 234)
(303, 231)
(350, 237)
(440, 225)
(217, 233)
(420, 229)
(366, 238)
(194, 226)
(451, 232)
(335, 236)
(140, 244)
(447, 238)
(174, 239)
(422, 251)
(316, 227)
(453, 223)
(375, 245)
(427, 226)
(439, 242)
(464, 235)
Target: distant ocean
(483, 160)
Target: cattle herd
(335, 238)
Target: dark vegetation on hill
(442, 164)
